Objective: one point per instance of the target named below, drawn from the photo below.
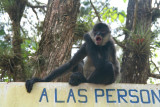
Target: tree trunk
(18, 67)
(56, 43)
(135, 66)
(15, 12)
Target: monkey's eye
(95, 33)
(103, 32)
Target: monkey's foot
(77, 78)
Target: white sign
(90, 95)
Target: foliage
(141, 40)
(9, 5)
(140, 43)
(107, 13)
(125, 1)
(30, 39)
(6, 4)
(6, 58)
(81, 28)
(2, 32)
(112, 14)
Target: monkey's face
(100, 34)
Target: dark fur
(101, 66)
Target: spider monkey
(101, 65)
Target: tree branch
(155, 65)
(119, 43)
(37, 6)
(39, 3)
(154, 75)
(76, 47)
(96, 12)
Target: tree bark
(15, 15)
(56, 43)
(135, 67)
(18, 67)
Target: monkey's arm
(81, 53)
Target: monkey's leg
(77, 76)
(105, 75)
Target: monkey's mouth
(98, 40)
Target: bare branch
(155, 75)
(119, 43)
(76, 47)
(155, 65)
(37, 6)
(96, 12)
(35, 13)
(39, 3)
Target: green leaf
(105, 8)
(124, 1)
(2, 32)
(114, 16)
(123, 13)
(107, 20)
(110, 10)
(156, 55)
(28, 42)
(115, 11)
(112, 20)
(121, 18)
(34, 46)
(104, 17)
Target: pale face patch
(106, 39)
(99, 40)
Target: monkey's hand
(29, 83)
(77, 78)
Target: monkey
(100, 67)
